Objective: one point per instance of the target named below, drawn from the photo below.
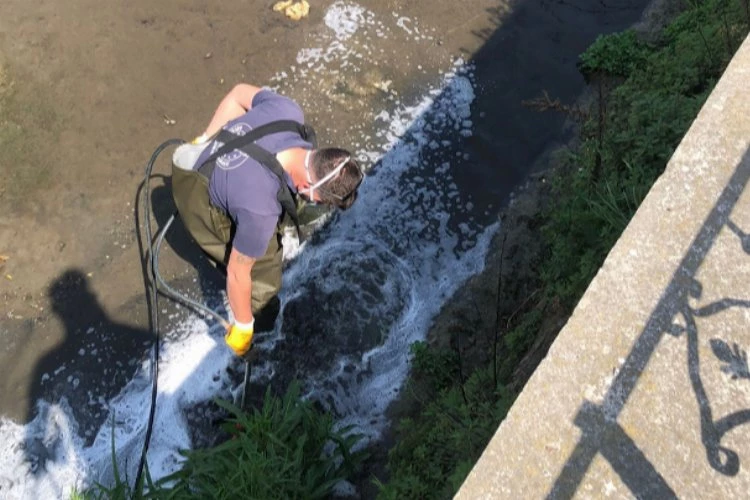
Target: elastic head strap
(330, 175)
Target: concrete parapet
(646, 391)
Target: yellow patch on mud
(293, 10)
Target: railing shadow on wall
(674, 316)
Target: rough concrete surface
(646, 391)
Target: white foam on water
(191, 371)
(345, 19)
(400, 230)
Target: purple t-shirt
(245, 189)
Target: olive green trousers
(213, 232)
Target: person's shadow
(93, 363)
(98, 357)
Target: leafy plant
(662, 88)
(286, 449)
(437, 367)
(435, 452)
(618, 54)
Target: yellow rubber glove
(239, 337)
(199, 140)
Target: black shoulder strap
(284, 195)
(232, 141)
(246, 144)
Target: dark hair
(341, 191)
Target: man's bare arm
(239, 285)
(235, 104)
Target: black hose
(163, 287)
(150, 274)
(155, 283)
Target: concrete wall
(646, 391)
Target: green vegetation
(285, 449)
(647, 96)
(436, 450)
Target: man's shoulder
(269, 95)
(269, 98)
